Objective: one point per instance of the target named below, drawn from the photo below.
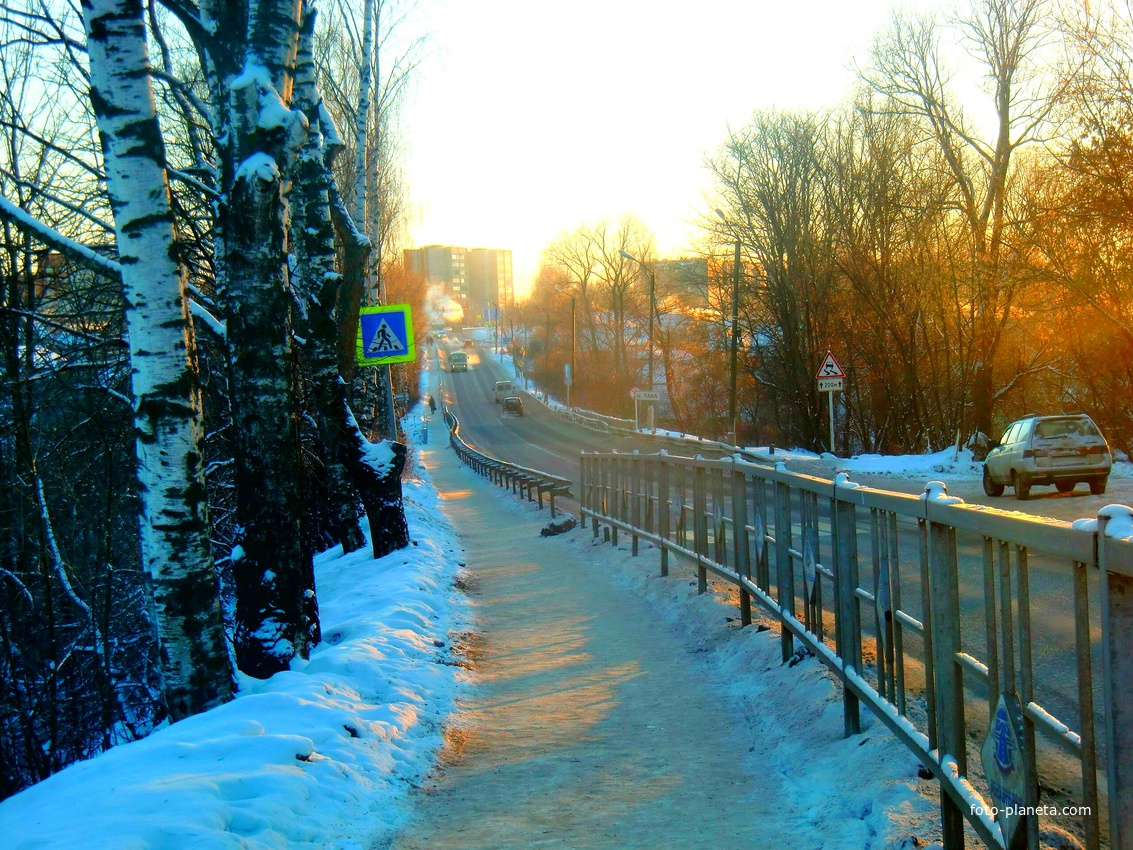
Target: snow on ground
(320, 756)
(860, 792)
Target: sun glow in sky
(531, 118)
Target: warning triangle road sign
(830, 368)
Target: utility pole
(735, 344)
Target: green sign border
(360, 356)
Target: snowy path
(588, 726)
(594, 722)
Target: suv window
(1010, 434)
(1066, 427)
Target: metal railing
(524, 482)
(859, 575)
(665, 441)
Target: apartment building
(472, 277)
(444, 265)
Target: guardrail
(602, 424)
(940, 670)
(529, 483)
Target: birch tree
(174, 522)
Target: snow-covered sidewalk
(613, 708)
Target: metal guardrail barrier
(602, 424)
(529, 483)
(936, 669)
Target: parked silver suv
(1058, 450)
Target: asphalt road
(540, 439)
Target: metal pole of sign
(831, 396)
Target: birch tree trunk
(317, 285)
(271, 568)
(174, 523)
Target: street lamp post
(496, 325)
(573, 337)
(735, 336)
(652, 306)
(573, 342)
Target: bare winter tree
(770, 181)
(1008, 38)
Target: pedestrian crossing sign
(385, 335)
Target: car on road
(457, 361)
(470, 343)
(502, 391)
(513, 404)
(1063, 450)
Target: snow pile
(954, 464)
(319, 756)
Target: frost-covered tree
(174, 522)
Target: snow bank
(320, 756)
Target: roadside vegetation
(957, 233)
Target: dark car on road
(513, 404)
(1060, 450)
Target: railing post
(719, 535)
(663, 511)
(763, 556)
(650, 489)
(944, 595)
(785, 576)
(700, 525)
(741, 551)
(616, 496)
(848, 628)
(1115, 560)
(635, 508)
(597, 467)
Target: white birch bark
(271, 568)
(174, 523)
(361, 120)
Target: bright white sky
(531, 118)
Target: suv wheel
(1022, 488)
(1097, 487)
(990, 487)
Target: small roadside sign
(385, 335)
(647, 395)
(830, 368)
(1002, 759)
(568, 378)
(830, 380)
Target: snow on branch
(54, 551)
(77, 251)
(19, 584)
(190, 180)
(214, 324)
